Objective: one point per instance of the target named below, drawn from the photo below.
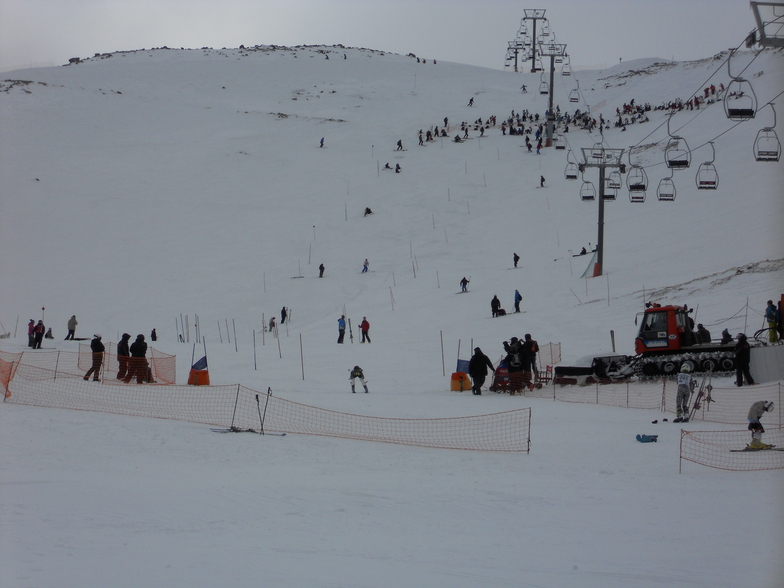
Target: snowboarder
(72, 322)
(123, 356)
(341, 328)
(515, 258)
(321, 270)
(138, 361)
(364, 326)
(495, 305)
(477, 369)
(98, 348)
(368, 212)
(755, 414)
(517, 300)
(742, 359)
(464, 284)
(365, 266)
(541, 178)
(685, 386)
(357, 373)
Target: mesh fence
(57, 382)
(723, 450)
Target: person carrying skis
(755, 414)
(357, 373)
(477, 369)
(495, 305)
(341, 328)
(517, 299)
(685, 385)
(98, 349)
(464, 284)
(364, 326)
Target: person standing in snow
(355, 374)
(364, 326)
(541, 178)
(742, 360)
(471, 101)
(31, 334)
(153, 335)
(477, 369)
(123, 356)
(138, 361)
(98, 348)
(770, 316)
(321, 270)
(341, 328)
(685, 386)
(321, 143)
(515, 258)
(365, 266)
(39, 331)
(495, 305)
(399, 145)
(517, 300)
(755, 414)
(464, 284)
(283, 314)
(72, 322)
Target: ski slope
(145, 186)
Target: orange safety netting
(720, 449)
(64, 387)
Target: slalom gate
(57, 381)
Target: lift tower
(551, 50)
(534, 14)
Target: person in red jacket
(365, 327)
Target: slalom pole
(254, 349)
(266, 402)
(236, 398)
(235, 334)
(261, 421)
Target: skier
(123, 355)
(397, 168)
(464, 284)
(541, 178)
(364, 326)
(685, 385)
(283, 314)
(365, 266)
(321, 270)
(515, 258)
(341, 328)
(357, 373)
(742, 359)
(272, 327)
(755, 414)
(471, 101)
(98, 349)
(399, 145)
(321, 143)
(495, 305)
(477, 369)
(72, 322)
(517, 300)
(528, 349)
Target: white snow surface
(152, 184)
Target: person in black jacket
(123, 355)
(742, 359)
(98, 349)
(495, 305)
(477, 369)
(138, 362)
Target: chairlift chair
(560, 142)
(597, 151)
(544, 88)
(566, 69)
(609, 193)
(707, 177)
(587, 191)
(613, 180)
(677, 154)
(636, 181)
(545, 29)
(740, 102)
(767, 146)
(570, 173)
(666, 190)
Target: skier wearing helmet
(685, 386)
(755, 414)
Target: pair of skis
(703, 393)
(261, 431)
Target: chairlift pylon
(707, 177)
(767, 146)
(740, 102)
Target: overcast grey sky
(597, 32)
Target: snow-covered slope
(139, 187)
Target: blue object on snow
(647, 438)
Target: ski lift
(566, 69)
(707, 177)
(544, 87)
(587, 191)
(767, 146)
(545, 29)
(609, 193)
(636, 181)
(613, 181)
(559, 140)
(527, 40)
(597, 151)
(558, 59)
(574, 95)
(666, 190)
(677, 154)
(539, 65)
(740, 102)
(570, 173)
